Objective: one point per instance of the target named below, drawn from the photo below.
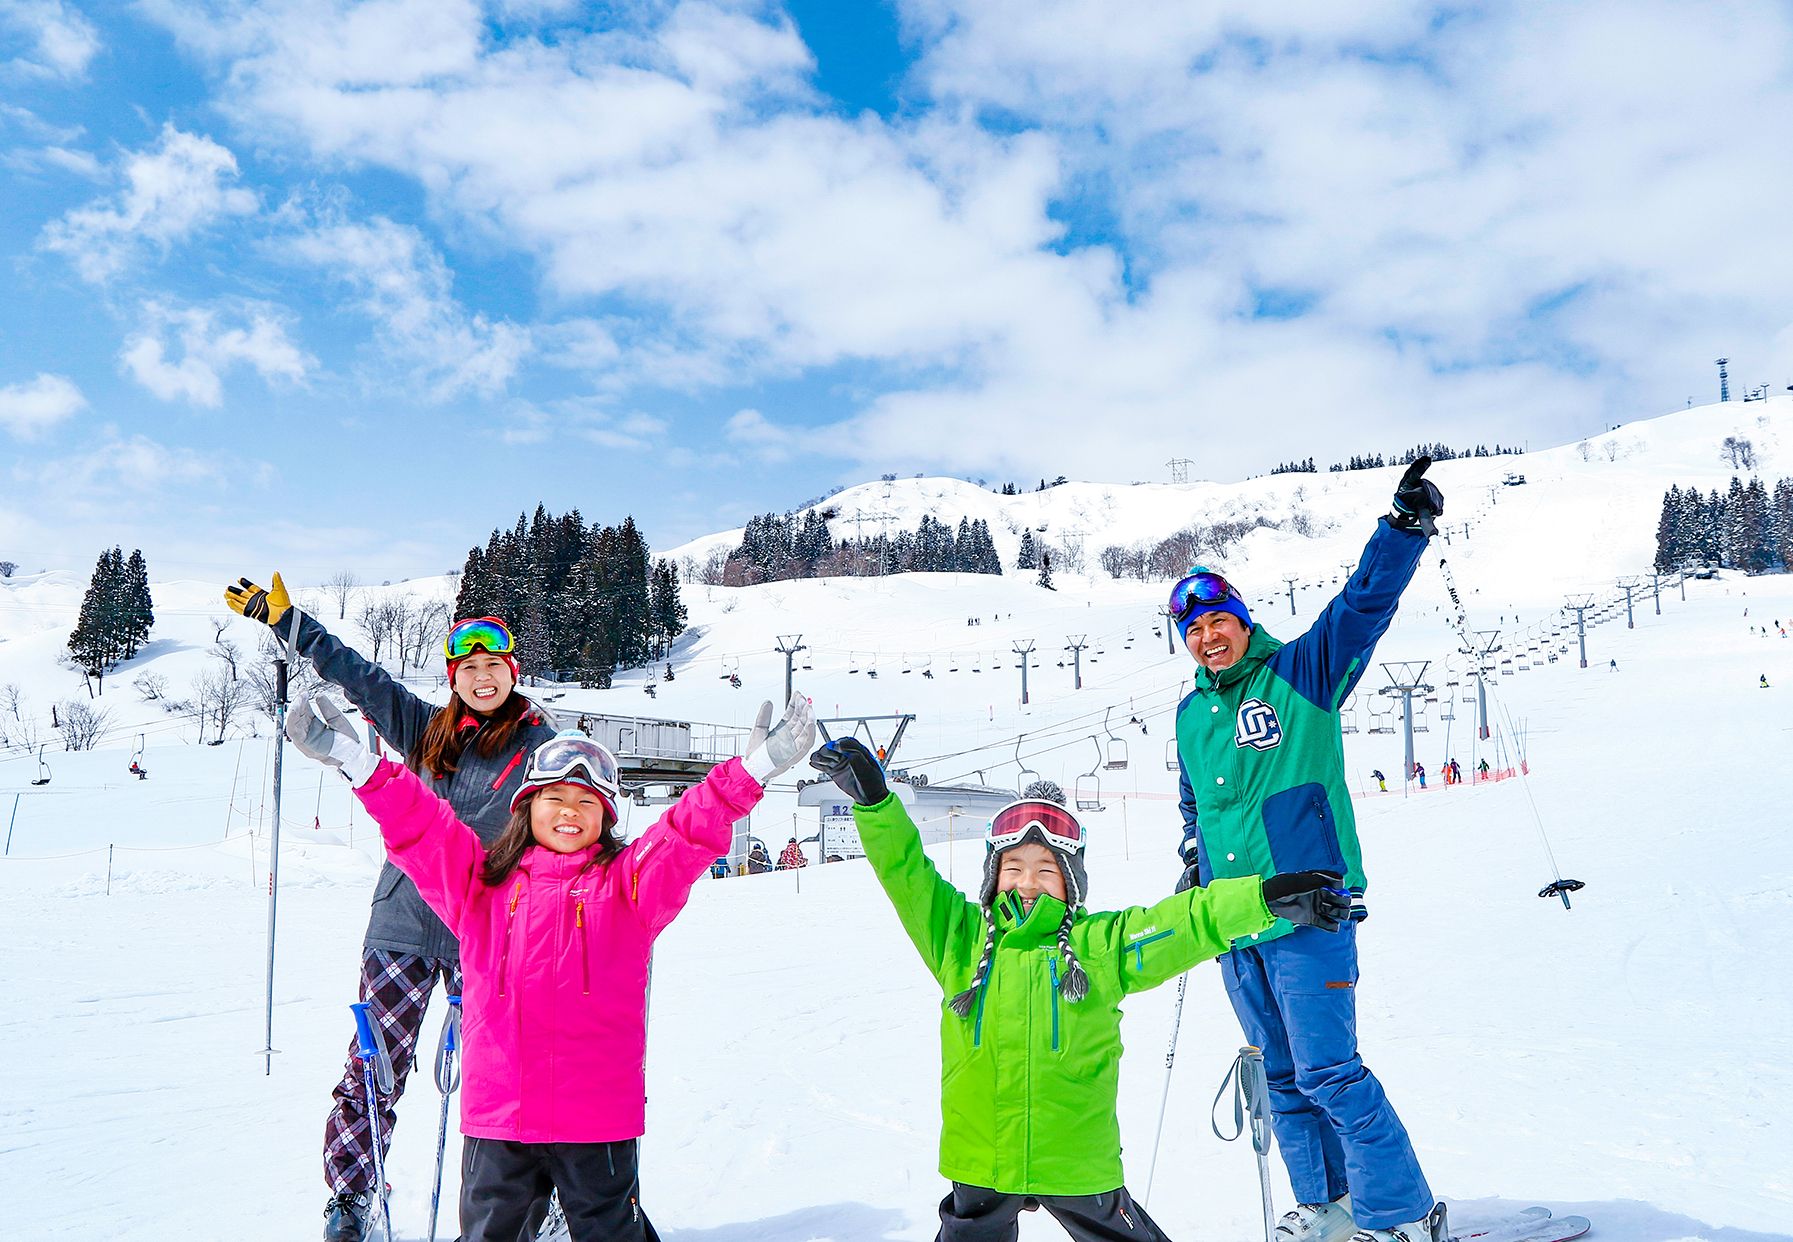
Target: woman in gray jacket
(473, 751)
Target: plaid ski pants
(398, 986)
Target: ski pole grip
(1255, 1086)
(369, 1048)
(448, 1061)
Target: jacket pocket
(390, 878)
(1299, 827)
(1137, 950)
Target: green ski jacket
(1263, 761)
(1028, 1081)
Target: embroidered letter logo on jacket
(1258, 726)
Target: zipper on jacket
(584, 945)
(508, 769)
(1052, 968)
(510, 921)
(1139, 948)
(977, 1027)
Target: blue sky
(312, 284)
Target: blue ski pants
(1296, 999)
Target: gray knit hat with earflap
(1074, 984)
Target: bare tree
(380, 620)
(342, 586)
(217, 699)
(264, 681)
(12, 700)
(151, 686)
(228, 654)
(7, 568)
(82, 724)
(426, 624)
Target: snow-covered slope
(1624, 1059)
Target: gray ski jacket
(480, 789)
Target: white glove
(323, 731)
(774, 753)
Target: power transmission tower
(1179, 469)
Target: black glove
(854, 768)
(1313, 898)
(1187, 880)
(1417, 501)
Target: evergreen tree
(1046, 571)
(97, 643)
(1780, 523)
(1030, 556)
(668, 609)
(139, 609)
(1668, 535)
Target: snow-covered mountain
(1624, 1059)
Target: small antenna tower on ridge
(1724, 381)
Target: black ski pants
(502, 1184)
(977, 1214)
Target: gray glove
(323, 731)
(773, 753)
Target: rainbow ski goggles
(1058, 827)
(1199, 589)
(487, 634)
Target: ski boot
(345, 1218)
(1317, 1222)
(1432, 1228)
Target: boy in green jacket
(1030, 1040)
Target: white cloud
(181, 354)
(29, 409)
(172, 190)
(753, 432)
(1487, 223)
(403, 285)
(62, 40)
(584, 419)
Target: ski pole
(376, 1078)
(448, 1077)
(1251, 1098)
(1170, 1061)
(285, 651)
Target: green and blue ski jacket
(1261, 754)
(1028, 1081)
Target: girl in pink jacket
(556, 920)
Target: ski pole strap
(369, 1048)
(448, 1061)
(1251, 1098)
(1230, 1080)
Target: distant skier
(758, 861)
(1456, 773)
(1030, 1036)
(558, 919)
(1614, 665)
(472, 750)
(1484, 769)
(1381, 780)
(1764, 682)
(1263, 792)
(1419, 772)
(792, 857)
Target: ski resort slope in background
(1627, 1059)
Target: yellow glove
(269, 607)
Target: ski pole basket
(1561, 889)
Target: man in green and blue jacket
(1263, 793)
(1031, 982)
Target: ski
(1534, 1224)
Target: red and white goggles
(570, 757)
(1057, 827)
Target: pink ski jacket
(554, 961)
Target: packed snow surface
(1627, 1060)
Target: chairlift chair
(1117, 748)
(1170, 752)
(43, 769)
(1087, 791)
(137, 768)
(1026, 776)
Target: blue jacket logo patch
(1258, 726)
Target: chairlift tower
(1581, 629)
(1022, 651)
(1628, 585)
(1482, 667)
(788, 646)
(1075, 646)
(1289, 580)
(1405, 679)
(1179, 469)
(1170, 631)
